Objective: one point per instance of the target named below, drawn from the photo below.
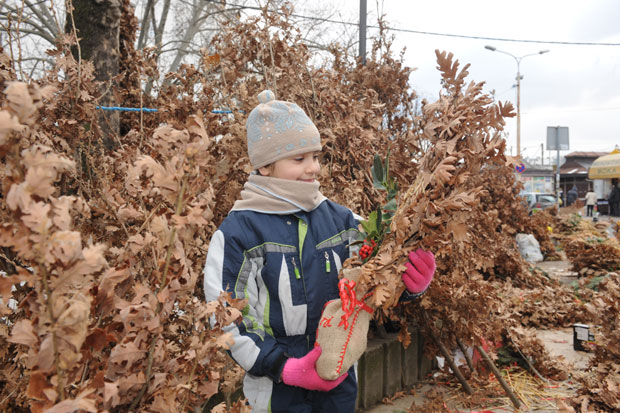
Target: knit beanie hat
(277, 129)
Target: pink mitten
(301, 372)
(420, 270)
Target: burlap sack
(343, 329)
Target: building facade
(574, 171)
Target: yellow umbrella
(606, 166)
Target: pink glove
(301, 372)
(420, 270)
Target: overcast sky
(577, 86)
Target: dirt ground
(559, 342)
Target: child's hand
(420, 271)
(301, 372)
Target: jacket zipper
(297, 275)
(327, 263)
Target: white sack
(529, 248)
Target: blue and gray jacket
(286, 266)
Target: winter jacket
(286, 266)
(571, 196)
(614, 195)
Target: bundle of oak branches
(463, 131)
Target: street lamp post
(518, 60)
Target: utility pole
(363, 31)
(518, 108)
(518, 60)
(557, 138)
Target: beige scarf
(278, 196)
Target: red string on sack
(349, 301)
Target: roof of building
(585, 154)
(538, 170)
(578, 163)
(571, 167)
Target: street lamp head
(519, 77)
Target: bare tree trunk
(159, 34)
(97, 24)
(144, 30)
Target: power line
(396, 29)
(576, 110)
(501, 39)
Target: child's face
(304, 167)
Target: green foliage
(377, 226)
(594, 282)
(591, 285)
(507, 356)
(574, 221)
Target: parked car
(538, 201)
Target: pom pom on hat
(277, 129)
(266, 96)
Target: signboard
(605, 167)
(541, 184)
(557, 138)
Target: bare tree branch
(193, 28)
(36, 30)
(44, 17)
(177, 30)
(39, 27)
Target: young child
(281, 248)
